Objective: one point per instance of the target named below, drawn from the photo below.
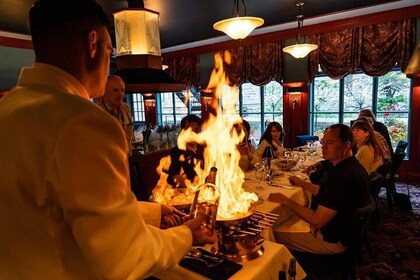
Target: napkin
(222, 271)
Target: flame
(187, 97)
(220, 140)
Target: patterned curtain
(258, 64)
(184, 69)
(374, 49)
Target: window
(261, 105)
(339, 101)
(137, 107)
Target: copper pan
(236, 220)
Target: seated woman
(248, 157)
(366, 147)
(272, 136)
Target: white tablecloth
(275, 258)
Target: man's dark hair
(344, 132)
(56, 23)
(190, 118)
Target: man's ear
(92, 43)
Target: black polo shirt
(343, 188)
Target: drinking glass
(302, 158)
(311, 148)
(287, 153)
(260, 172)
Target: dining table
(276, 257)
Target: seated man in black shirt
(343, 188)
(183, 161)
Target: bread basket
(284, 164)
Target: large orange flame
(221, 140)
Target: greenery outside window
(339, 101)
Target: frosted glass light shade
(238, 27)
(300, 50)
(137, 32)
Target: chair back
(397, 160)
(401, 146)
(301, 139)
(375, 184)
(357, 224)
(385, 169)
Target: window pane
(255, 124)
(326, 94)
(268, 118)
(348, 117)
(397, 124)
(393, 92)
(273, 98)
(180, 107)
(138, 105)
(357, 92)
(168, 119)
(166, 101)
(322, 121)
(251, 99)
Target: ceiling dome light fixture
(299, 50)
(238, 27)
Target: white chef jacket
(66, 209)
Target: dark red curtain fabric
(257, 64)
(374, 49)
(184, 69)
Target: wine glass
(311, 148)
(302, 158)
(260, 172)
(287, 153)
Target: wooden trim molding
(392, 15)
(15, 43)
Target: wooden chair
(344, 263)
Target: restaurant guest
(66, 208)
(272, 137)
(248, 157)
(380, 139)
(366, 147)
(341, 190)
(379, 127)
(183, 161)
(113, 102)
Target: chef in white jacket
(66, 209)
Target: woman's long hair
(267, 133)
(371, 139)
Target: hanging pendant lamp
(238, 27)
(300, 50)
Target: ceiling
(189, 23)
(183, 22)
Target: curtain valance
(375, 49)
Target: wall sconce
(149, 101)
(206, 98)
(294, 94)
